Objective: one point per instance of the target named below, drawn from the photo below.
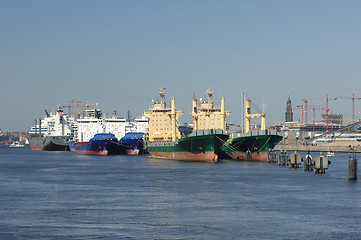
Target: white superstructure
(116, 126)
(88, 127)
(58, 124)
(141, 124)
(93, 123)
(138, 125)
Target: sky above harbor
(119, 53)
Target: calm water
(62, 195)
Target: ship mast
(210, 94)
(223, 115)
(173, 117)
(249, 116)
(161, 95)
(194, 113)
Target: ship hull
(100, 144)
(252, 148)
(100, 148)
(205, 148)
(132, 151)
(133, 144)
(49, 143)
(71, 145)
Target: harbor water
(62, 195)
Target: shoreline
(322, 147)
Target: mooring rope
(263, 145)
(229, 145)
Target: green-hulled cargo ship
(255, 145)
(200, 145)
(163, 139)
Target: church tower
(289, 113)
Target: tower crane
(326, 109)
(353, 100)
(302, 111)
(305, 100)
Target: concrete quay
(321, 147)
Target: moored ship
(200, 145)
(255, 144)
(92, 123)
(132, 142)
(163, 140)
(52, 132)
(96, 135)
(100, 144)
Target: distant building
(333, 118)
(289, 113)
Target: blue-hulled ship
(100, 144)
(133, 143)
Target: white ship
(16, 144)
(51, 132)
(93, 122)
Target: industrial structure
(331, 126)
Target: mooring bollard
(352, 168)
(321, 164)
(295, 160)
(308, 162)
(248, 155)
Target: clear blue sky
(118, 53)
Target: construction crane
(326, 109)
(353, 104)
(71, 106)
(305, 110)
(72, 101)
(302, 111)
(90, 104)
(340, 131)
(353, 100)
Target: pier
(334, 147)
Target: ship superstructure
(94, 127)
(51, 132)
(163, 140)
(206, 116)
(163, 121)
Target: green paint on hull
(257, 145)
(193, 147)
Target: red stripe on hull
(81, 143)
(254, 156)
(132, 151)
(187, 156)
(37, 147)
(105, 152)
